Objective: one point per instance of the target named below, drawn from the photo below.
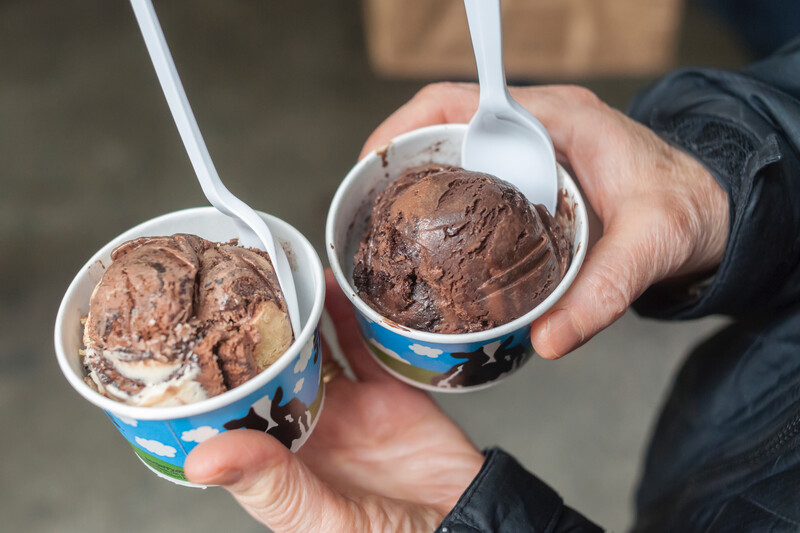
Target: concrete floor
(285, 98)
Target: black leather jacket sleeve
(745, 128)
(506, 498)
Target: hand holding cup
(664, 216)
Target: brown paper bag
(541, 38)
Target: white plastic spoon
(503, 139)
(253, 231)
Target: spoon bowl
(503, 139)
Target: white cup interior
(352, 204)
(210, 224)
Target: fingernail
(223, 477)
(562, 334)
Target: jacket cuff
(506, 498)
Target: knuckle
(659, 235)
(583, 96)
(613, 291)
(438, 90)
(277, 499)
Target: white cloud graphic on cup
(305, 356)
(387, 351)
(426, 351)
(199, 435)
(153, 446)
(127, 420)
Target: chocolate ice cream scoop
(178, 319)
(453, 251)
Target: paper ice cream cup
(284, 400)
(436, 361)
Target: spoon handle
(176, 98)
(253, 231)
(487, 42)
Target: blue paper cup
(284, 400)
(435, 361)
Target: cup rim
(210, 404)
(581, 236)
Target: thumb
(438, 103)
(270, 482)
(617, 270)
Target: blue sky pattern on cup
(447, 366)
(164, 444)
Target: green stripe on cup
(160, 466)
(413, 373)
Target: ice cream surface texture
(453, 251)
(179, 319)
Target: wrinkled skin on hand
(664, 217)
(383, 456)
